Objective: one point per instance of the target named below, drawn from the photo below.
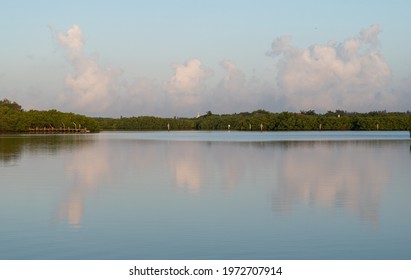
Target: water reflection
(80, 166)
(10, 150)
(187, 167)
(197, 166)
(86, 170)
(333, 175)
(322, 175)
(12, 146)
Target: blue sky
(177, 58)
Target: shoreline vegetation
(14, 119)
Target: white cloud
(370, 35)
(185, 89)
(143, 96)
(235, 92)
(188, 78)
(351, 75)
(234, 79)
(402, 90)
(73, 39)
(231, 92)
(91, 87)
(281, 45)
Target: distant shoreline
(266, 121)
(14, 119)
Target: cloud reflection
(198, 165)
(86, 170)
(188, 174)
(333, 175)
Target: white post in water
(168, 126)
(261, 127)
(250, 126)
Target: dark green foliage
(306, 120)
(146, 123)
(11, 105)
(14, 119)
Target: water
(206, 195)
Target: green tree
(10, 105)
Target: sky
(180, 58)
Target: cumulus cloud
(230, 92)
(73, 40)
(186, 85)
(370, 35)
(350, 75)
(281, 45)
(234, 78)
(187, 93)
(94, 89)
(235, 92)
(402, 89)
(90, 87)
(188, 78)
(141, 96)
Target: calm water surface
(206, 195)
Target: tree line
(267, 121)
(14, 119)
